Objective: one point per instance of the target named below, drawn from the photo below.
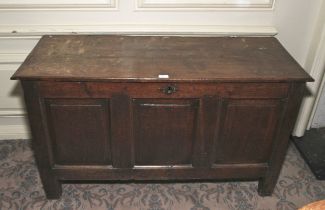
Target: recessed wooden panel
(164, 131)
(248, 128)
(79, 131)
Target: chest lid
(159, 59)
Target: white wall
(125, 17)
(13, 51)
(20, 28)
(319, 118)
(318, 115)
(300, 30)
(295, 21)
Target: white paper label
(163, 76)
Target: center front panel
(164, 131)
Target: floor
(20, 188)
(312, 149)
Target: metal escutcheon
(169, 89)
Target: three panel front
(162, 132)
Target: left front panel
(79, 130)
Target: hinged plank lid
(144, 58)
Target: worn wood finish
(98, 111)
(154, 90)
(143, 58)
(41, 142)
(160, 124)
(224, 172)
(80, 131)
(247, 129)
(281, 140)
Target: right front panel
(247, 129)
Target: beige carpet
(20, 188)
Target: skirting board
(138, 29)
(14, 132)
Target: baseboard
(14, 132)
(138, 29)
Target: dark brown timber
(222, 108)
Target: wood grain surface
(144, 58)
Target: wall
(21, 27)
(126, 17)
(302, 32)
(319, 118)
(318, 113)
(295, 22)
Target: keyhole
(169, 89)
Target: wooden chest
(160, 108)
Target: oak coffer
(106, 107)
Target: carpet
(20, 188)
